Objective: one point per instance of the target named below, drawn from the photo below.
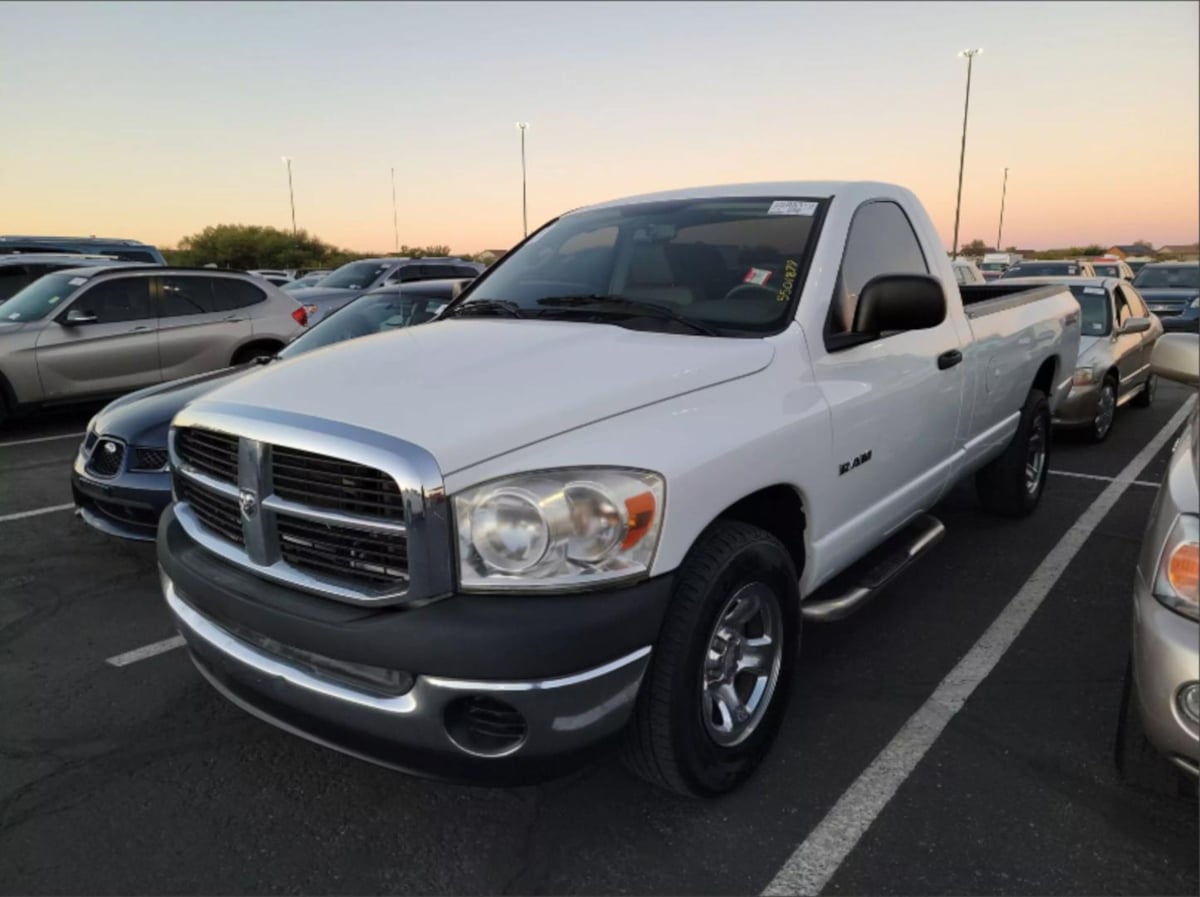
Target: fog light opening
(1188, 700)
(484, 726)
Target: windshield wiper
(486, 307)
(618, 304)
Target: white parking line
(151, 650)
(21, 515)
(820, 855)
(1093, 476)
(41, 439)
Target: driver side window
(115, 301)
(881, 241)
(1124, 312)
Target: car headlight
(1084, 376)
(558, 529)
(1177, 582)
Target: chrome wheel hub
(1035, 459)
(1106, 406)
(741, 665)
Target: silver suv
(88, 333)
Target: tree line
(979, 247)
(250, 246)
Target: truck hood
(1092, 347)
(468, 390)
(142, 418)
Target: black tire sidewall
(708, 767)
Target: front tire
(719, 678)
(1012, 485)
(247, 354)
(1106, 410)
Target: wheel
(1106, 410)
(1145, 398)
(1012, 484)
(1139, 764)
(246, 354)
(718, 682)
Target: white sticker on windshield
(1094, 291)
(792, 207)
(77, 281)
(757, 276)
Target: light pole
(395, 220)
(970, 54)
(1003, 193)
(291, 194)
(521, 126)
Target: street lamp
(1003, 193)
(291, 194)
(521, 126)
(970, 55)
(395, 220)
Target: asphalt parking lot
(139, 778)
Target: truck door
(894, 401)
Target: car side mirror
(1176, 357)
(1134, 325)
(77, 316)
(893, 302)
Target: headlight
(1083, 376)
(558, 529)
(1176, 583)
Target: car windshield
(41, 297)
(993, 266)
(1043, 269)
(1093, 302)
(373, 313)
(303, 283)
(1174, 277)
(1107, 270)
(355, 275)
(729, 266)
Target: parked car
(1118, 336)
(1187, 321)
(592, 495)
(355, 278)
(123, 250)
(308, 280)
(1159, 724)
(122, 492)
(996, 263)
(1169, 287)
(1111, 267)
(1137, 262)
(19, 270)
(1051, 268)
(966, 273)
(273, 273)
(89, 333)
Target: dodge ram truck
(594, 502)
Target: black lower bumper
(562, 670)
(128, 506)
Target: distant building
(1181, 250)
(1125, 250)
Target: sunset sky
(153, 120)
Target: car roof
(97, 270)
(1191, 264)
(17, 258)
(34, 238)
(448, 283)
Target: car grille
(149, 459)
(333, 521)
(212, 453)
(106, 458)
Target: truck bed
(987, 298)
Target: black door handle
(949, 359)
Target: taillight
(301, 316)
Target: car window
(131, 255)
(14, 278)
(186, 295)
(1135, 302)
(39, 298)
(229, 293)
(1096, 309)
(355, 275)
(881, 241)
(1168, 277)
(117, 300)
(439, 271)
(1124, 312)
(464, 272)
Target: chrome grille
(149, 459)
(106, 458)
(324, 548)
(215, 454)
(326, 482)
(218, 512)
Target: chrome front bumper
(563, 716)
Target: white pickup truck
(596, 498)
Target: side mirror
(77, 316)
(892, 302)
(1134, 325)
(1176, 357)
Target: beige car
(88, 333)
(1117, 336)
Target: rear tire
(680, 738)
(1012, 485)
(1138, 762)
(246, 354)
(1145, 398)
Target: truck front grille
(212, 453)
(326, 482)
(324, 549)
(216, 511)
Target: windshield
(728, 264)
(994, 266)
(1093, 302)
(1043, 269)
(41, 297)
(1106, 270)
(1183, 277)
(366, 315)
(355, 275)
